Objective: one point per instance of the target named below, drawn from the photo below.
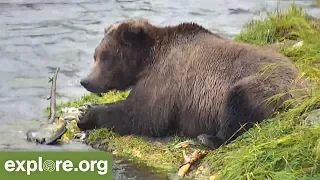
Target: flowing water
(36, 36)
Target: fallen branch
(189, 161)
(52, 97)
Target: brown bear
(185, 81)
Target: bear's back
(206, 55)
(201, 70)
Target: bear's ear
(108, 28)
(133, 34)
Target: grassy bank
(285, 147)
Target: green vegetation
(109, 97)
(160, 155)
(285, 147)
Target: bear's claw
(84, 109)
(209, 141)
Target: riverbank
(285, 147)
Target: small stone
(60, 120)
(115, 152)
(313, 118)
(136, 153)
(77, 135)
(298, 44)
(69, 117)
(73, 121)
(215, 176)
(65, 138)
(83, 135)
(200, 168)
(185, 144)
(118, 161)
(96, 146)
(69, 109)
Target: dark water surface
(36, 36)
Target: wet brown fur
(187, 81)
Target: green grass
(160, 155)
(285, 147)
(109, 97)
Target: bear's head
(120, 56)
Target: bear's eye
(94, 56)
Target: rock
(298, 44)
(313, 118)
(215, 176)
(82, 136)
(71, 117)
(185, 144)
(69, 110)
(286, 44)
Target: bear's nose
(84, 82)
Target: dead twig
(189, 161)
(52, 97)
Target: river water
(36, 36)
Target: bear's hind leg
(245, 105)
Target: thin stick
(52, 97)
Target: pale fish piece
(47, 134)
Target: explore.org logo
(28, 166)
(80, 165)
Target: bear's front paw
(93, 116)
(209, 141)
(86, 116)
(83, 109)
